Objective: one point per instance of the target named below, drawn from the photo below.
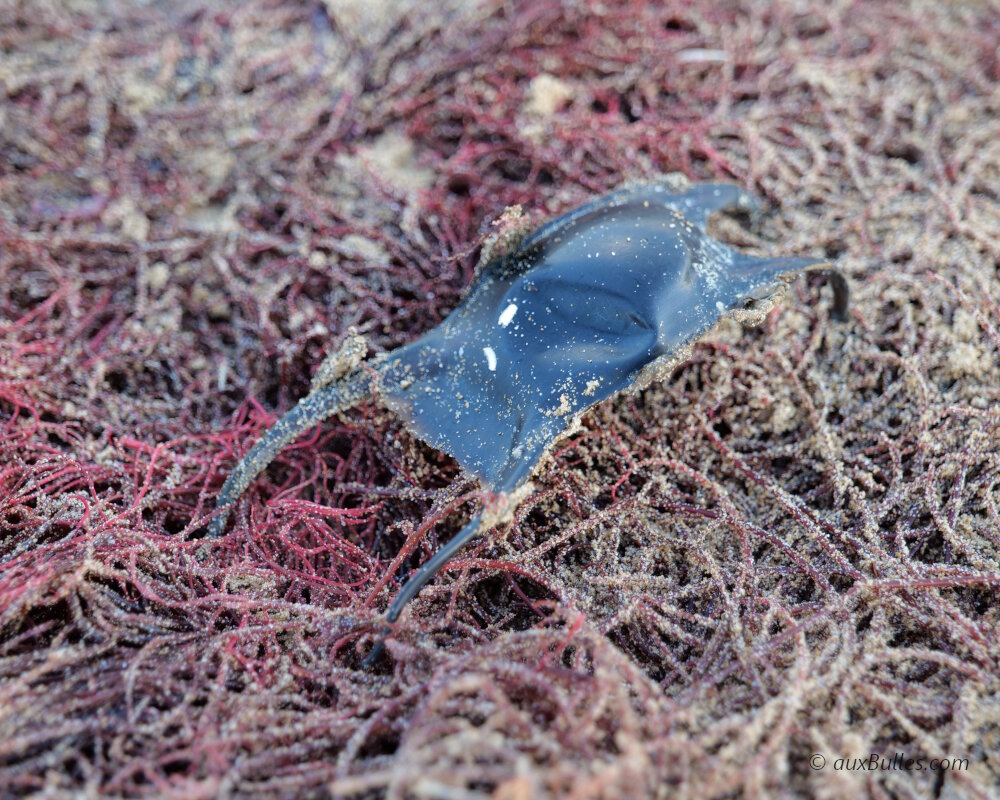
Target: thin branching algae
(790, 546)
(601, 300)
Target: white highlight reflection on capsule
(507, 315)
(491, 358)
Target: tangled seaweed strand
(790, 547)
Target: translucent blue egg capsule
(600, 300)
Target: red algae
(787, 548)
